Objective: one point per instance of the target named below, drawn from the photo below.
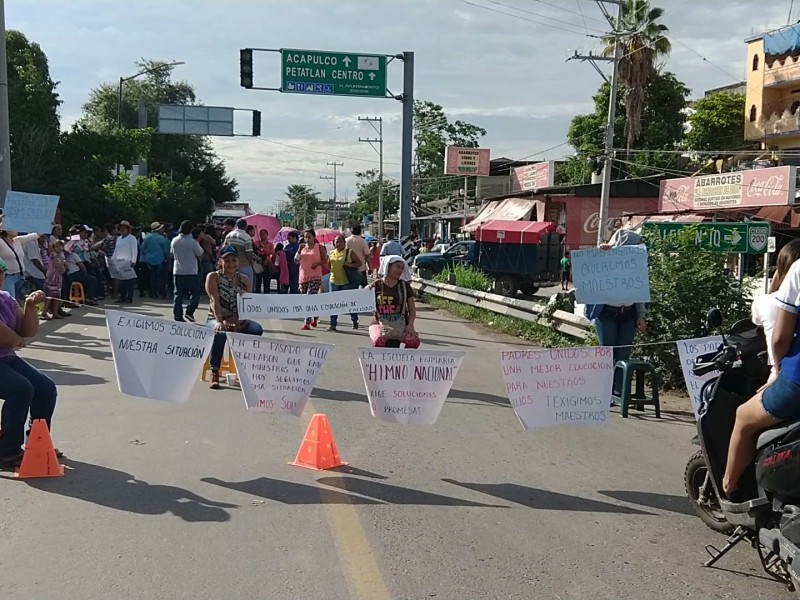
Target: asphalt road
(196, 501)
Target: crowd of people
(182, 263)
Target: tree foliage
(366, 202)
(304, 203)
(717, 123)
(661, 127)
(643, 42)
(433, 132)
(147, 199)
(179, 156)
(33, 115)
(677, 311)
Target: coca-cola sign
(774, 186)
(593, 220)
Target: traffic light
(246, 67)
(256, 123)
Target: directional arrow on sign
(372, 76)
(346, 61)
(735, 237)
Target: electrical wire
(530, 12)
(489, 8)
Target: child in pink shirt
(282, 267)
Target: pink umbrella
(266, 222)
(327, 236)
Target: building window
(753, 113)
(795, 106)
(755, 63)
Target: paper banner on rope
(616, 276)
(156, 358)
(277, 376)
(559, 386)
(408, 386)
(688, 350)
(29, 213)
(297, 306)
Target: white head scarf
(388, 260)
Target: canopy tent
(513, 232)
(509, 209)
(266, 222)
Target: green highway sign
(732, 238)
(333, 73)
(285, 216)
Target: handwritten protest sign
(688, 350)
(29, 213)
(559, 386)
(277, 376)
(156, 358)
(615, 276)
(408, 386)
(295, 306)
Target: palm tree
(642, 43)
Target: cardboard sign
(29, 213)
(156, 358)
(615, 276)
(688, 351)
(559, 386)
(408, 386)
(277, 376)
(298, 306)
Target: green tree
(643, 42)
(147, 199)
(304, 203)
(433, 132)
(717, 123)
(179, 156)
(33, 115)
(366, 202)
(86, 161)
(661, 127)
(677, 311)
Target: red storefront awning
(513, 232)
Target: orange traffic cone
(318, 450)
(40, 458)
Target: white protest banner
(29, 213)
(296, 306)
(156, 358)
(688, 350)
(408, 386)
(614, 276)
(559, 386)
(277, 376)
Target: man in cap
(243, 243)
(123, 262)
(155, 252)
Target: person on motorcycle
(777, 401)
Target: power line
(513, 16)
(530, 12)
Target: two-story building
(772, 109)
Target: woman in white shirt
(11, 252)
(764, 311)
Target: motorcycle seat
(775, 433)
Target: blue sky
(504, 72)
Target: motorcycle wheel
(709, 510)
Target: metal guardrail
(567, 323)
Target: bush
(685, 281)
(466, 277)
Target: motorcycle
(765, 510)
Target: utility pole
(330, 180)
(407, 145)
(335, 207)
(379, 150)
(605, 192)
(5, 143)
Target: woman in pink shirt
(311, 256)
